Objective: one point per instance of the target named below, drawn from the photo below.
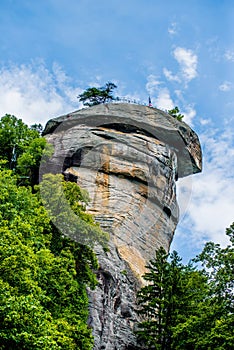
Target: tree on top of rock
(175, 112)
(95, 96)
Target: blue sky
(180, 52)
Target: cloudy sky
(180, 52)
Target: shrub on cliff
(95, 96)
(175, 112)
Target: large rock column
(128, 157)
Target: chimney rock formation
(128, 157)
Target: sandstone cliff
(128, 157)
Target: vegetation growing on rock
(94, 96)
(43, 274)
(175, 112)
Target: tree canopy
(94, 96)
(22, 147)
(44, 272)
(15, 136)
(186, 308)
(170, 296)
(43, 301)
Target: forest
(44, 275)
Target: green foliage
(66, 202)
(37, 127)
(44, 271)
(29, 161)
(15, 136)
(94, 96)
(215, 316)
(175, 112)
(170, 296)
(219, 266)
(43, 299)
(186, 308)
(22, 148)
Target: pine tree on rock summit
(95, 96)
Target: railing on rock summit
(123, 99)
(128, 100)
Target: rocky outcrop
(128, 157)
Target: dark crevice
(127, 128)
(183, 129)
(167, 211)
(117, 303)
(70, 177)
(104, 136)
(75, 159)
(125, 176)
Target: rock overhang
(150, 121)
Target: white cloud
(187, 61)
(225, 86)
(163, 100)
(211, 206)
(34, 94)
(229, 55)
(179, 94)
(205, 121)
(152, 84)
(189, 114)
(168, 74)
(172, 29)
(187, 66)
(160, 96)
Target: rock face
(128, 157)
